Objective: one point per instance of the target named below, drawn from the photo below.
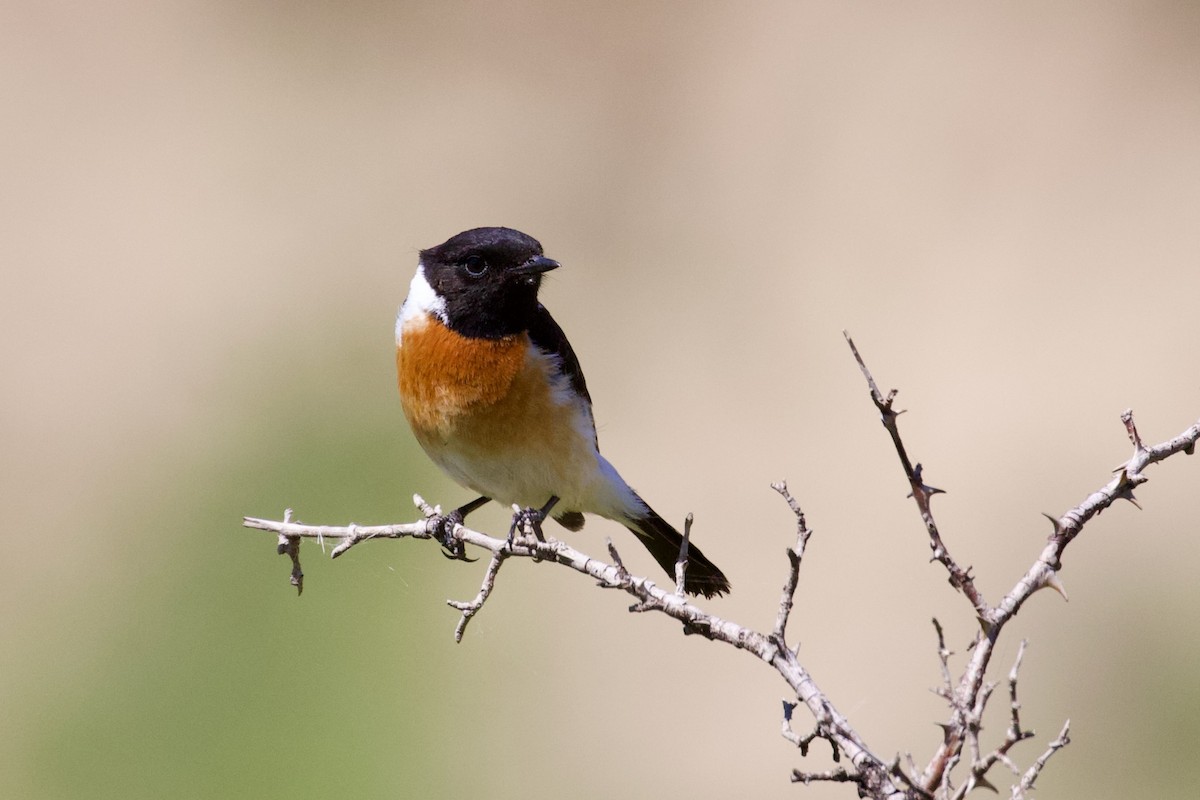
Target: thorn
(981, 781)
(1125, 484)
(1127, 494)
(928, 491)
(1054, 582)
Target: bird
(496, 397)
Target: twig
(622, 573)
(947, 688)
(802, 742)
(897, 772)
(1134, 438)
(1031, 775)
(835, 775)
(290, 546)
(795, 555)
(470, 609)
(681, 563)
(1013, 736)
(920, 492)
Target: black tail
(663, 541)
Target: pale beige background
(211, 212)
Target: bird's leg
(451, 548)
(535, 517)
(543, 513)
(459, 514)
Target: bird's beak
(537, 265)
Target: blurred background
(211, 212)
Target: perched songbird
(496, 397)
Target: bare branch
(970, 696)
(870, 771)
(1013, 736)
(473, 607)
(947, 688)
(795, 555)
(920, 492)
(897, 772)
(835, 775)
(290, 546)
(1134, 438)
(802, 742)
(682, 562)
(1031, 775)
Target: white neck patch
(421, 300)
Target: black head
(489, 280)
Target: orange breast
(445, 377)
(498, 418)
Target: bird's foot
(531, 519)
(452, 548)
(527, 519)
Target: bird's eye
(474, 265)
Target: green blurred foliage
(202, 674)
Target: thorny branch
(968, 698)
(870, 772)
(959, 578)
(874, 777)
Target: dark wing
(549, 338)
(545, 333)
